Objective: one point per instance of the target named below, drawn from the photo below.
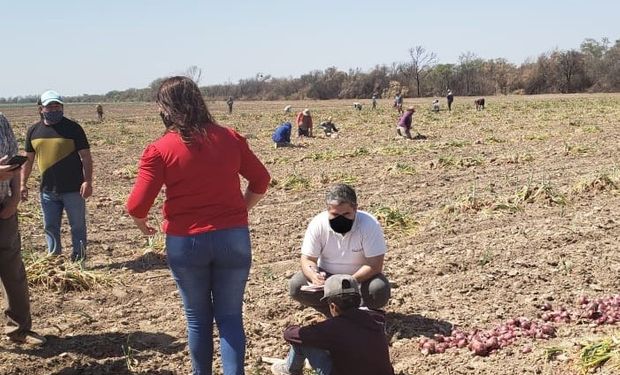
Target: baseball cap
(337, 285)
(51, 96)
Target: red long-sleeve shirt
(304, 122)
(203, 191)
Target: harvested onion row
(605, 310)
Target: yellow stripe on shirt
(50, 151)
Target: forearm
(251, 198)
(365, 272)
(87, 168)
(25, 173)
(309, 267)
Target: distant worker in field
(282, 135)
(304, 123)
(329, 128)
(357, 106)
(342, 240)
(479, 104)
(403, 128)
(450, 99)
(99, 112)
(398, 102)
(353, 341)
(230, 103)
(374, 100)
(436, 105)
(288, 108)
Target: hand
(86, 190)
(318, 278)
(144, 226)
(24, 192)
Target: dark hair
(39, 105)
(341, 193)
(346, 301)
(183, 106)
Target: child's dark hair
(346, 301)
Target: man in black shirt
(65, 163)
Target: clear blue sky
(93, 46)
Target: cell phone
(17, 160)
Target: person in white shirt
(342, 240)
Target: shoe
(280, 368)
(28, 338)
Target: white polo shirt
(344, 254)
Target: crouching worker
(353, 341)
(282, 135)
(341, 240)
(329, 128)
(403, 128)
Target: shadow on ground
(105, 353)
(408, 326)
(146, 262)
(104, 345)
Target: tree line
(593, 67)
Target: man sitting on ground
(342, 240)
(352, 342)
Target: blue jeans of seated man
(211, 270)
(52, 205)
(319, 359)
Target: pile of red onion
(604, 310)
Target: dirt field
(494, 213)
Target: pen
(316, 270)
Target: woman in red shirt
(205, 217)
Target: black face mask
(341, 224)
(166, 119)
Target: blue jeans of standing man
(211, 270)
(52, 205)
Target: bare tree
(421, 63)
(195, 73)
(570, 64)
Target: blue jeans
(52, 205)
(319, 359)
(211, 270)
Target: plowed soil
(491, 214)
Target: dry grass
(538, 192)
(394, 219)
(59, 274)
(602, 181)
(602, 352)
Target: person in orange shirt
(304, 123)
